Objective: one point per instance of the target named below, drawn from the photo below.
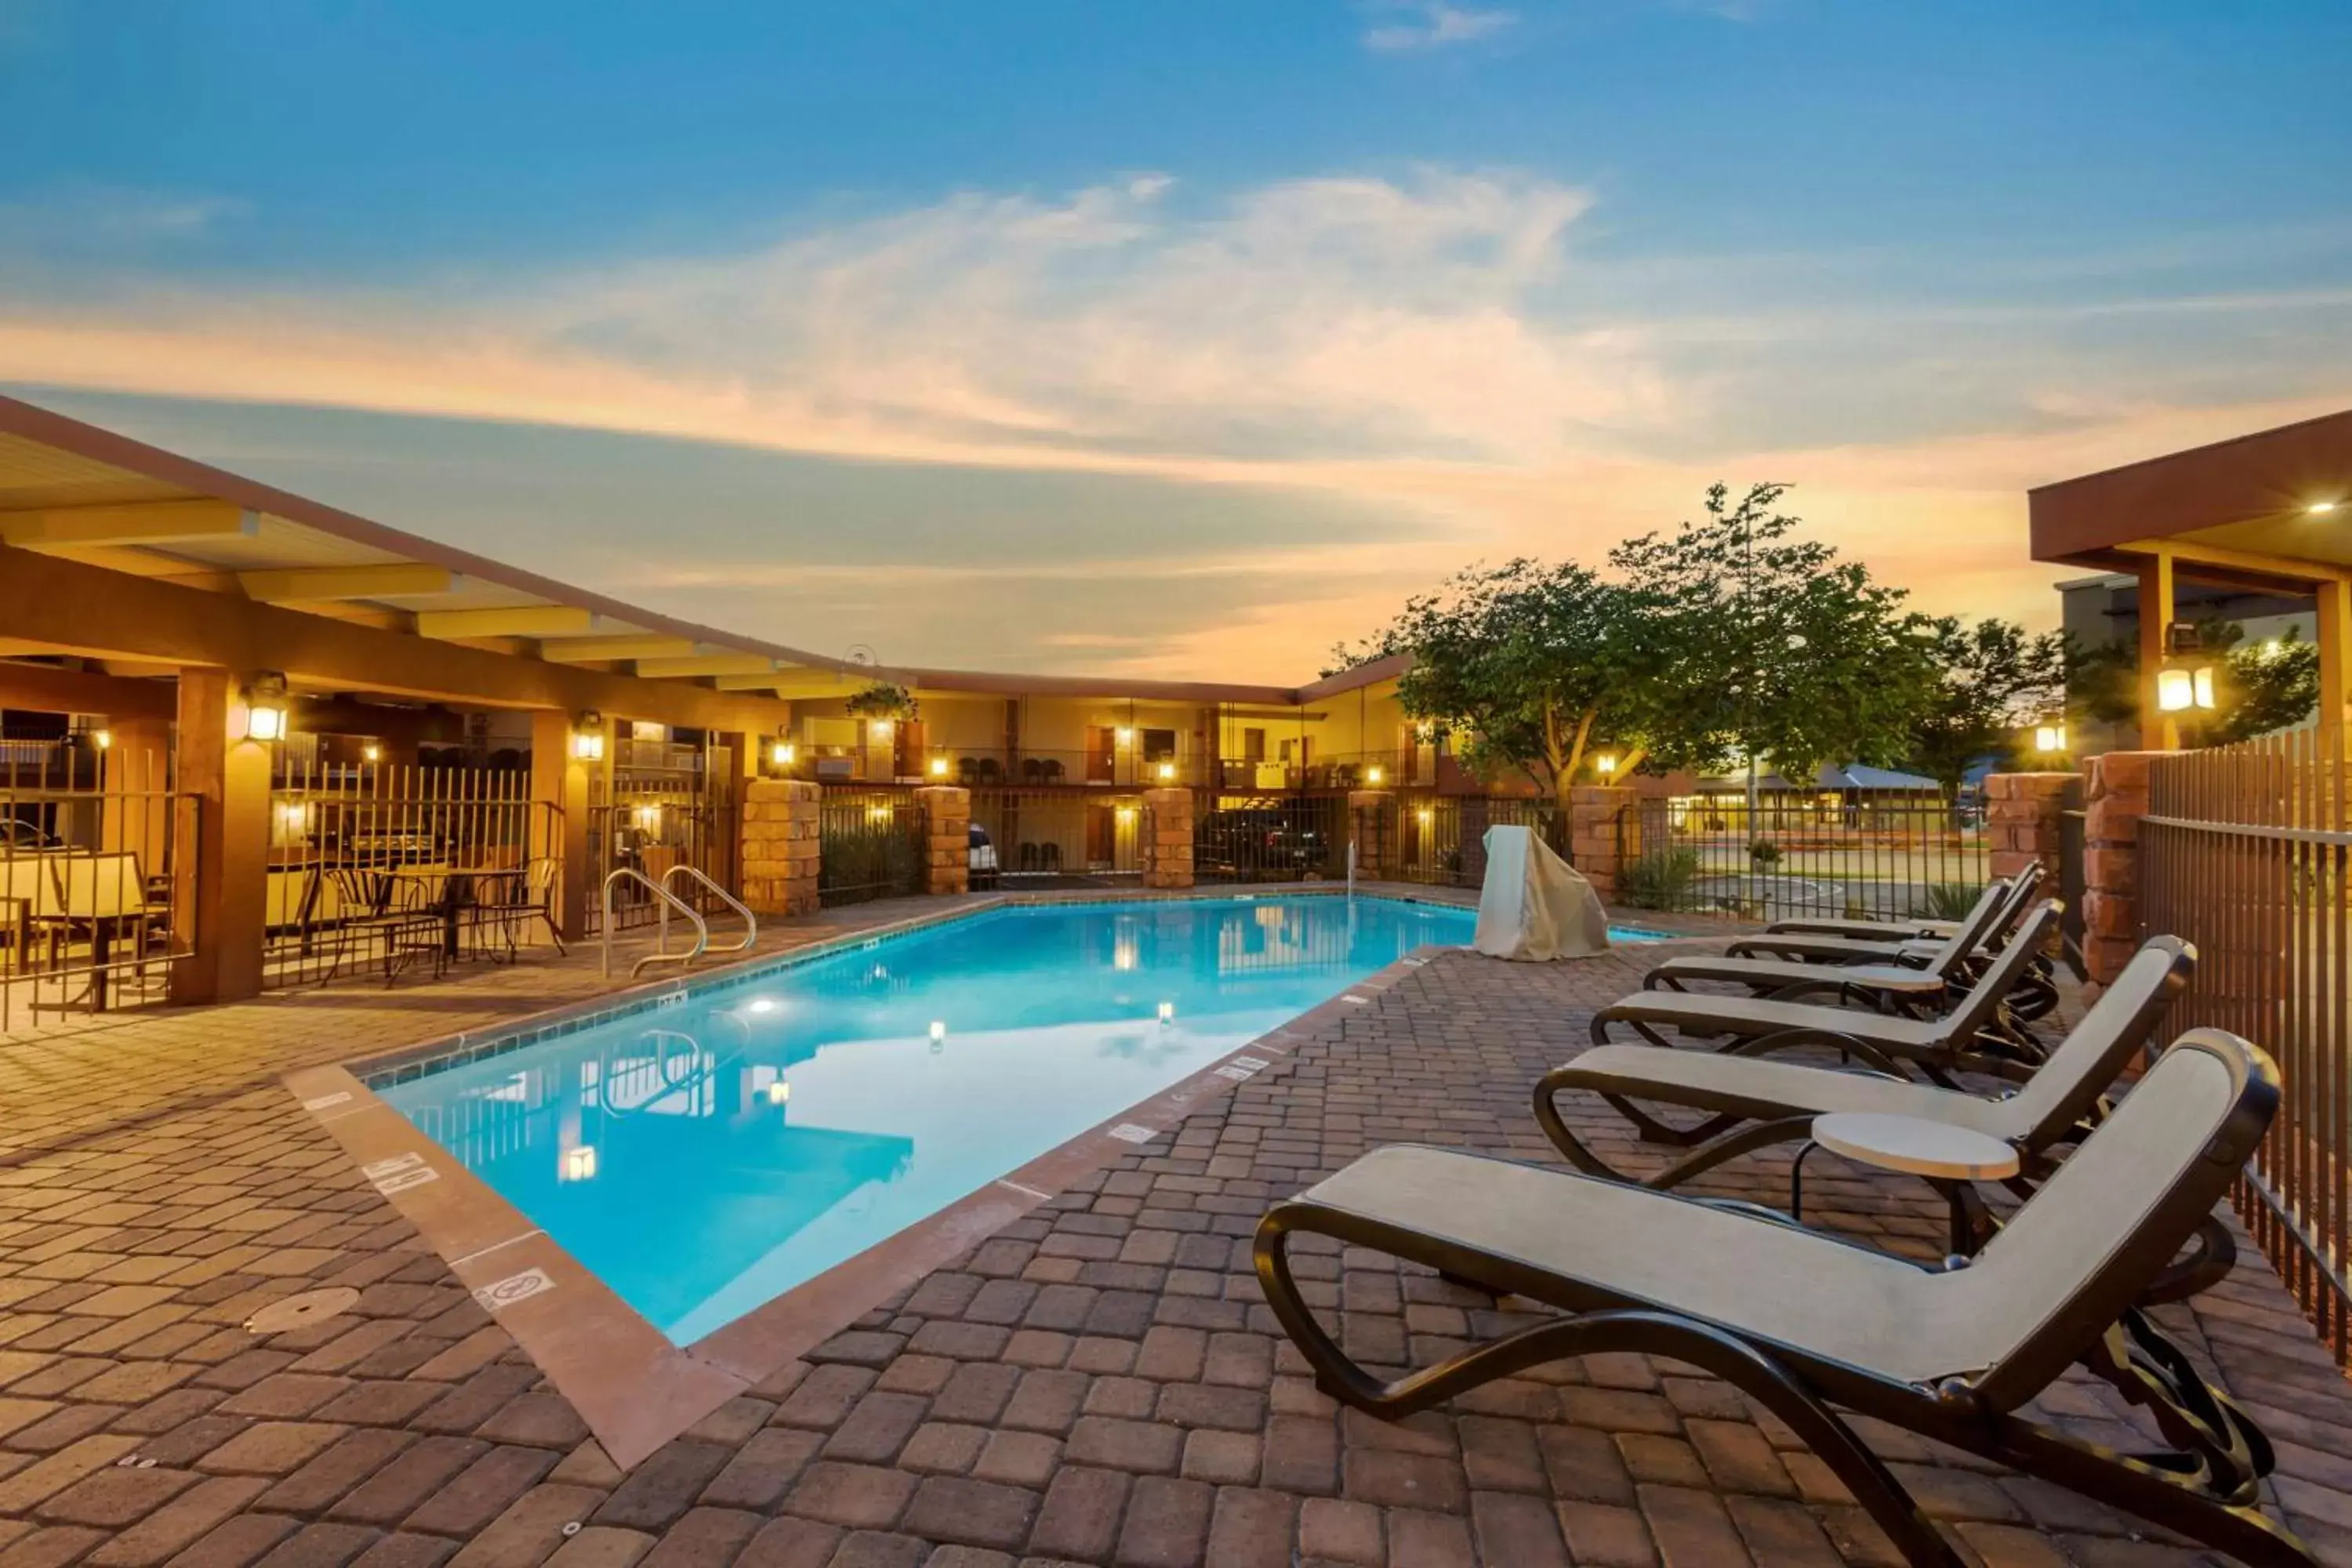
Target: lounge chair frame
(2207, 1487)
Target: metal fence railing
(666, 807)
(1269, 837)
(377, 865)
(1037, 836)
(96, 854)
(2245, 851)
(1891, 853)
(871, 844)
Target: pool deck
(1097, 1381)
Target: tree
(1993, 679)
(2260, 686)
(1773, 645)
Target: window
(1253, 745)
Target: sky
(1178, 341)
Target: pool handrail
(750, 921)
(661, 954)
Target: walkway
(1098, 1384)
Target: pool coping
(634, 1387)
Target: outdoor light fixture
(1168, 1012)
(939, 1030)
(878, 729)
(2050, 739)
(648, 819)
(938, 767)
(2320, 508)
(579, 1164)
(2174, 691)
(588, 737)
(1125, 813)
(1124, 736)
(2186, 681)
(100, 739)
(780, 1093)
(1426, 815)
(781, 751)
(265, 707)
(371, 753)
(1167, 772)
(1605, 765)
(1372, 773)
(878, 814)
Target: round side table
(1950, 1158)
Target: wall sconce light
(1426, 815)
(99, 739)
(1373, 775)
(2050, 739)
(1168, 1012)
(1124, 736)
(783, 752)
(1124, 813)
(649, 818)
(938, 767)
(1605, 764)
(371, 753)
(2320, 508)
(939, 1031)
(877, 729)
(878, 814)
(1167, 772)
(2186, 681)
(579, 1164)
(780, 1093)
(265, 707)
(588, 737)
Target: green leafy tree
(1992, 679)
(1772, 644)
(2269, 685)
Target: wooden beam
(704, 663)
(601, 650)
(294, 585)
(138, 522)
(790, 682)
(2286, 570)
(522, 621)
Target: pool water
(707, 1155)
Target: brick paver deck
(1097, 1384)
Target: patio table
(1950, 1158)
(458, 890)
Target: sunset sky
(1176, 340)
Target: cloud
(1434, 24)
(101, 219)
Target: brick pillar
(780, 845)
(947, 829)
(2114, 799)
(2021, 819)
(1476, 817)
(1167, 850)
(1373, 824)
(1604, 833)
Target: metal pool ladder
(670, 900)
(750, 921)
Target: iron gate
(871, 844)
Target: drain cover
(302, 1312)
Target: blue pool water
(707, 1155)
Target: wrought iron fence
(1038, 836)
(665, 810)
(95, 856)
(385, 865)
(2244, 852)
(1864, 853)
(1428, 841)
(1269, 839)
(871, 844)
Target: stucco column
(1166, 849)
(559, 782)
(220, 902)
(946, 829)
(1604, 833)
(1372, 823)
(2114, 799)
(780, 845)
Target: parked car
(1249, 841)
(18, 834)
(982, 857)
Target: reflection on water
(708, 1155)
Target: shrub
(1947, 900)
(1661, 879)
(1764, 852)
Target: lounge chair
(1978, 1034)
(1882, 984)
(1801, 1323)
(1908, 927)
(2009, 902)
(1753, 1104)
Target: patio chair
(2009, 901)
(1976, 1035)
(1882, 985)
(992, 772)
(1033, 769)
(1910, 928)
(1753, 1104)
(1810, 1327)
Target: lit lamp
(2320, 508)
(938, 767)
(878, 729)
(265, 707)
(100, 739)
(371, 753)
(588, 737)
(783, 752)
(1426, 815)
(2181, 684)
(1167, 772)
(780, 1093)
(2050, 739)
(1372, 773)
(1125, 737)
(579, 1164)
(1605, 764)
(1125, 813)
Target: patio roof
(78, 492)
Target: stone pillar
(1372, 823)
(1476, 817)
(220, 904)
(2021, 813)
(1167, 850)
(780, 845)
(559, 782)
(2114, 799)
(1604, 833)
(946, 829)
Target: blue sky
(1180, 340)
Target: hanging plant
(883, 699)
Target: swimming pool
(706, 1156)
